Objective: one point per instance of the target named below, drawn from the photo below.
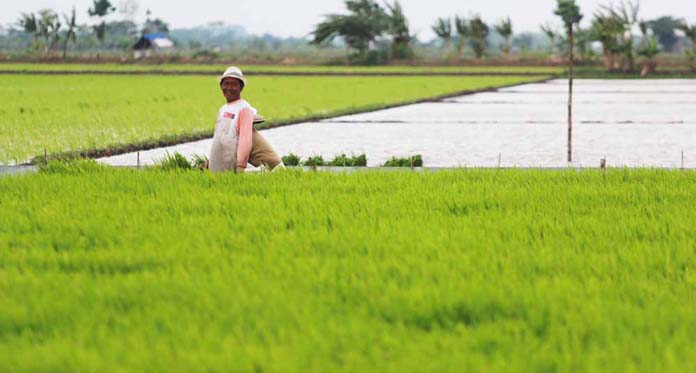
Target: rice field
(477, 270)
(256, 69)
(87, 112)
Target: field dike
(166, 141)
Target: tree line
(374, 33)
(50, 31)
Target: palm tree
(550, 33)
(479, 34)
(463, 33)
(70, 32)
(443, 29)
(30, 25)
(399, 30)
(569, 12)
(626, 14)
(504, 28)
(649, 49)
(48, 26)
(608, 30)
(100, 9)
(365, 23)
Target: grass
(126, 270)
(217, 69)
(86, 113)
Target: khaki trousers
(262, 152)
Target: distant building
(150, 43)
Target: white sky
(297, 18)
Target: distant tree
(70, 35)
(152, 26)
(504, 28)
(663, 28)
(524, 41)
(463, 33)
(625, 14)
(443, 29)
(479, 34)
(609, 30)
(583, 38)
(399, 31)
(49, 26)
(30, 25)
(550, 33)
(649, 48)
(365, 23)
(100, 9)
(569, 12)
(690, 32)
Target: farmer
(236, 142)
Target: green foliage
(612, 27)
(291, 160)
(314, 161)
(399, 31)
(443, 29)
(479, 36)
(366, 21)
(174, 162)
(569, 11)
(481, 270)
(154, 109)
(550, 33)
(412, 161)
(664, 27)
(345, 161)
(70, 35)
(77, 166)
(156, 25)
(199, 161)
(101, 8)
(504, 29)
(461, 26)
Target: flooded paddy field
(635, 123)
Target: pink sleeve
(245, 124)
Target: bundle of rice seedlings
(172, 162)
(291, 160)
(413, 161)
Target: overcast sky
(296, 18)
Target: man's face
(231, 89)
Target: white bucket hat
(233, 72)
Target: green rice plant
(74, 114)
(199, 161)
(174, 162)
(413, 161)
(314, 161)
(291, 160)
(76, 166)
(345, 161)
(481, 270)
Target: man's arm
(245, 125)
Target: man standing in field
(236, 142)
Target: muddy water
(628, 122)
